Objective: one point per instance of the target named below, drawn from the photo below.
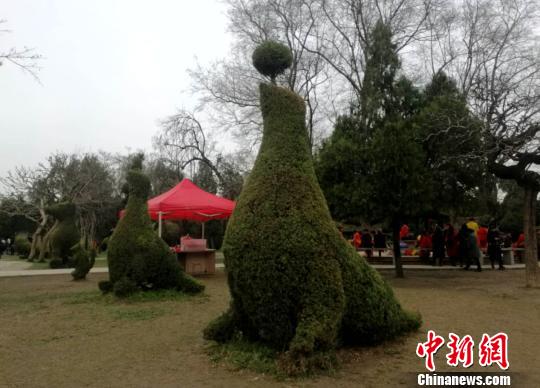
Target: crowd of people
(369, 241)
(467, 245)
(464, 246)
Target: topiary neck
(285, 133)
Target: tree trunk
(45, 246)
(396, 226)
(529, 228)
(37, 236)
(36, 240)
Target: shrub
(105, 286)
(83, 261)
(171, 233)
(135, 252)
(104, 245)
(295, 283)
(56, 263)
(272, 58)
(22, 245)
(124, 287)
(65, 235)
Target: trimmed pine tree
(138, 258)
(296, 284)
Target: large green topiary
(295, 283)
(137, 257)
(65, 235)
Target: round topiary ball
(272, 58)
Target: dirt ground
(58, 333)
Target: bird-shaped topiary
(138, 258)
(295, 283)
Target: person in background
(9, 246)
(3, 247)
(367, 242)
(520, 244)
(495, 241)
(463, 242)
(357, 240)
(404, 231)
(473, 225)
(482, 238)
(425, 245)
(473, 251)
(379, 241)
(452, 244)
(438, 245)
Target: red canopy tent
(186, 201)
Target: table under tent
(187, 201)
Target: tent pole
(203, 230)
(159, 224)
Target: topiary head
(272, 58)
(138, 184)
(136, 161)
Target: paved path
(9, 265)
(34, 272)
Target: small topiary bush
(66, 235)
(296, 284)
(83, 262)
(136, 253)
(171, 233)
(272, 59)
(124, 287)
(22, 245)
(56, 263)
(105, 286)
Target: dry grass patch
(61, 333)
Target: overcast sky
(111, 70)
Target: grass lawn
(55, 332)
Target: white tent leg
(159, 224)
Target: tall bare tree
(183, 143)
(230, 86)
(24, 58)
